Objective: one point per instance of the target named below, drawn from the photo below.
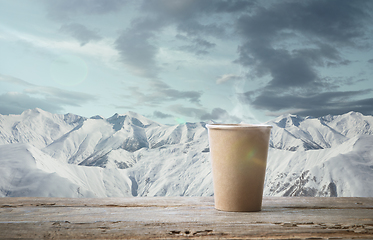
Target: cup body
(239, 157)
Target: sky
(177, 61)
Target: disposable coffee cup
(239, 157)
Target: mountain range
(65, 155)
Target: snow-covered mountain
(36, 126)
(294, 133)
(45, 154)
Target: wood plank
(184, 217)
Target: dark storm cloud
(338, 23)
(138, 53)
(197, 45)
(194, 28)
(286, 70)
(182, 10)
(288, 41)
(66, 9)
(48, 98)
(137, 49)
(80, 33)
(316, 105)
(323, 55)
(363, 106)
(137, 44)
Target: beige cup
(239, 158)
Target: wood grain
(184, 218)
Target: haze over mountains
(54, 155)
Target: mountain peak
(131, 118)
(97, 117)
(353, 114)
(287, 120)
(116, 115)
(34, 111)
(338, 155)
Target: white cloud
(33, 96)
(227, 77)
(100, 50)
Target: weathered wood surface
(185, 217)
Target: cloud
(183, 10)
(60, 96)
(188, 111)
(67, 9)
(158, 114)
(290, 41)
(17, 81)
(219, 114)
(287, 43)
(53, 49)
(321, 55)
(138, 53)
(137, 45)
(319, 104)
(33, 96)
(216, 114)
(227, 77)
(80, 33)
(159, 92)
(364, 106)
(16, 103)
(193, 28)
(339, 23)
(197, 45)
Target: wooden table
(184, 218)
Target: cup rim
(236, 125)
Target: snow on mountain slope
(296, 133)
(27, 171)
(173, 170)
(111, 142)
(345, 170)
(351, 124)
(182, 133)
(78, 144)
(103, 142)
(37, 127)
(130, 155)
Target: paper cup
(239, 158)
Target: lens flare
(250, 154)
(180, 120)
(68, 70)
(252, 159)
